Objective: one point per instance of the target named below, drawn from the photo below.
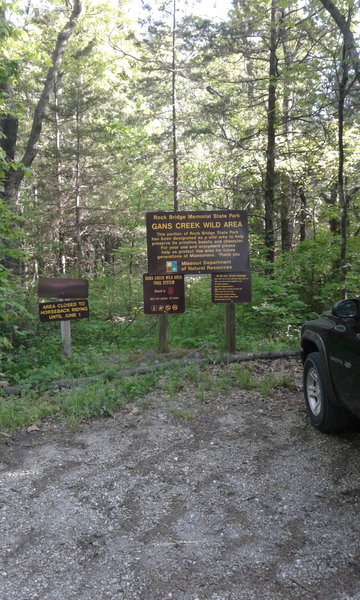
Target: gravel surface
(231, 497)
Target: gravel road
(231, 497)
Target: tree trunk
(287, 187)
(59, 182)
(174, 115)
(270, 162)
(331, 200)
(349, 40)
(285, 213)
(303, 214)
(77, 192)
(341, 185)
(8, 126)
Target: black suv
(330, 349)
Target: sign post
(163, 345)
(230, 328)
(230, 288)
(66, 337)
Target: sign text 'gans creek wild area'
(197, 242)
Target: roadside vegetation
(118, 337)
(105, 397)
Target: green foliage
(312, 271)
(23, 411)
(12, 295)
(182, 414)
(118, 329)
(243, 376)
(102, 399)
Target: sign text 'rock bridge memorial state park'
(197, 242)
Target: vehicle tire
(323, 414)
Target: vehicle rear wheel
(323, 414)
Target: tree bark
(270, 162)
(8, 126)
(77, 191)
(285, 218)
(331, 200)
(174, 115)
(287, 187)
(341, 184)
(59, 191)
(344, 28)
(303, 214)
(14, 178)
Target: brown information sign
(231, 287)
(197, 242)
(59, 287)
(164, 294)
(64, 310)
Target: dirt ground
(242, 501)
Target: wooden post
(163, 332)
(66, 336)
(230, 328)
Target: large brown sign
(197, 242)
(58, 287)
(231, 287)
(164, 294)
(64, 310)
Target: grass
(105, 397)
(115, 338)
(118, 329)
(182, 414)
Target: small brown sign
(64, 310)
(58, 287)
(164, 294)
(230, 287)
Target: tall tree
(9, 123)
(343, 25)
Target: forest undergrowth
(118, 336)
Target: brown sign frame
(62, 287)
(164, 293)
(230, 288)
(197, 242)
(63, 310)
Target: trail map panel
(64, 310)
(164, 294)
(231, 287)
(197, 242)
